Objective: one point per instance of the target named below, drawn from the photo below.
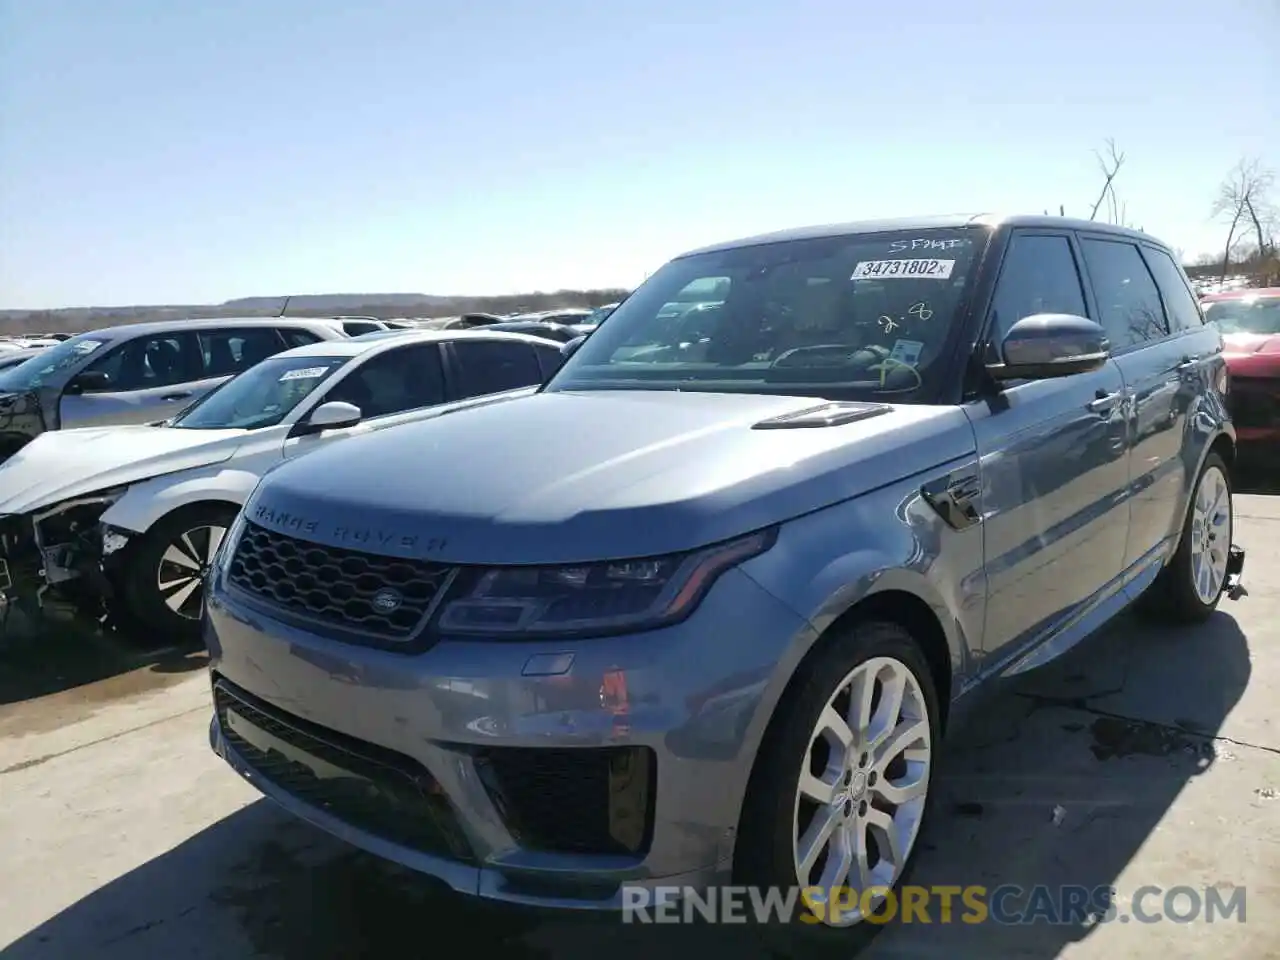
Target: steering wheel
(836, 351)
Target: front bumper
(549, 773)
(1254, 403)
(66, 576)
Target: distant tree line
(81, 319)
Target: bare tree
(1244, 202)
(1110, 166)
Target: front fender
(147, 502)
(888, 540)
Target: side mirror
(1048, 345)
(329, 416)
(570, 348)
(88, 381)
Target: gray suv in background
(138, 372)
(702, 609)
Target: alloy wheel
(1210, 534)
(182, 568)
(862, 790)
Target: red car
(1250, 325)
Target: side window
(356, 328)
(1039, 275)
(1128, 301)
(297, 337)
(549, 359)
(147, 362)
(227, 352)
(407, 378)
(490, 367)
(1183, 308)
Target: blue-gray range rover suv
(701, 610)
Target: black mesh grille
(588, 800)
(335, 585)
(377, 790)
(1253, 403)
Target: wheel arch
(148, 503)
(1225, 447)
(897, 604)
(911, 604)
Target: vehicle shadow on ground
(1059, 779)
(39, 658)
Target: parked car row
(124, 518)
(693, 596)
(704, 606)
(137, 372)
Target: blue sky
(161, 151)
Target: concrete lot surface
(1142, 758)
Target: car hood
(1250, 344)
(569, 477)
(70, 463)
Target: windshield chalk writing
(925, 243)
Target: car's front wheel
(841, 787)
(165, 573)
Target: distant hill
(337, 302)
(381, 305)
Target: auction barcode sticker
(306, 373)
(903, 269)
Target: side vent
(955, 499)
(834, 414)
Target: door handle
(1103, 401)
(1189, 362)
(175, 396)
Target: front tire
(164, 575)
(840, 790)
(1190, 586)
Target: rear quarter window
(1180, 303)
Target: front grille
(336, 585)
(1253, 404)
(369, 787)
(592, 800)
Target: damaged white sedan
(123, 522)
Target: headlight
(614, 596)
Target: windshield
(1246, 315)
(599, 313)
(260, 397)
(829, 317)
(51, 362)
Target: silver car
(702, 610)
(138, 372)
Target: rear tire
(164, 575)
(868, 793)
(1189, 588)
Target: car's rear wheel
(1190, 586)
(165, 573)
(841, 788)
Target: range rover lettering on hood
(337, 534)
